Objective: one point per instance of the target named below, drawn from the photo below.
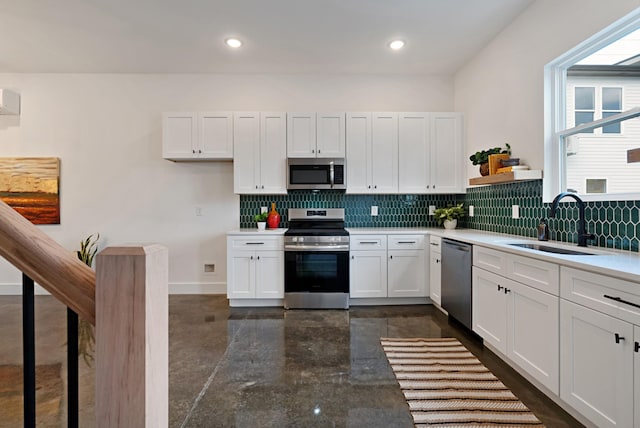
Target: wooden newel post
(132, 337)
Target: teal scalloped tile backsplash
(616, 224)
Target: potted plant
(449, 216)
(86, 338)
(482, 157)
(261, 220)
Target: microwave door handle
(331, 174)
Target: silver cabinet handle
(406, 242)
(331, 173)
(255, 243)
(434, 244)
(368, 242)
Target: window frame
(555, 112)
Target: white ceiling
(280, 36)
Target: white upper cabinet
(301, 135)
(430, 147)
(330, 135)
(259, 153)
(372, 153)
(311, 135)
(414, 152)
(358, 148)
(446, 153)
(215, 131)
(197, 136)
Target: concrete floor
(264, 366)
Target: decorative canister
(273, 220)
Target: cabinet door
(179, 135)
(215, 135)
(413, 153)
(384, 153)
(358, 152)
(368, 274)
(435, 277)
(596, 372)
(406, 274)
(489, 303)
(273, 153)
(446, 153)
(241, 275)
(533, 333)
(330, 135)
(301, 135)
(269, 274)
(246, 157)
(636, 374)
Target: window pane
(583, 117)
(613, 128)
(585, 98)
(611, 99)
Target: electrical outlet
(209, 268)
(515, 211)
(374, 210)
(198, 211)
(471, 213)
(432, 209)
(263, 210)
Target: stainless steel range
(316, 253)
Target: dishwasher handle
(457, 246)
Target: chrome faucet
(583, 236)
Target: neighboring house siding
(604, 155)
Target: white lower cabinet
(255, 273)
(599, 329)
(387, 266)
(597, 366)
(636, 374)
(435, 271)
(368, 273)
(518, 320)
(406, 273)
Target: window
(592, 105)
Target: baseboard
(382, 301)
(198, 288)
(174, 288)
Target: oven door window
(322, 272)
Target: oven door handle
(312, 248)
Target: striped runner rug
(445, 385)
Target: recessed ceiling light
(396, 44)
(232, 42)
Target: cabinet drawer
(255, 243)
(535, 273)
(491, 260)
(435, 243)
(368, 242)
(406, 242)
(612, 296)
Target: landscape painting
(31, 186)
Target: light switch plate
(471, 213)
(374, 210)
(515, 211)
(432, 209)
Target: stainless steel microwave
(316, 174)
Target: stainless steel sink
(555, 250)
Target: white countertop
(616, 263)
(255, 231)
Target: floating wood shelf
(507, 177)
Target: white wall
(500, 90)
(106, 129)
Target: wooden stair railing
(126, 299)
(55, 268)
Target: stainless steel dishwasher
(456, 280)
